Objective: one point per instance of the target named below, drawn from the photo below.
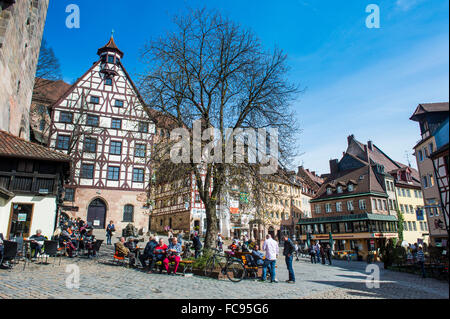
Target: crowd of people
(75, 235)
(320, 253)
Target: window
(116, 124)
(128, 212)
(87, 171)
(62, 142)
(95, 99)
(350, 187)
(317, 207)
(391, 206)
(197, 198)
(362, 204)
(424, 182)
(138, 175)
(385, 205)
(66, 117)
(108, 81)
(339, 206)
(411, 209)
(420, 155)
(374, 204)
(110, 58)
(140, 150)
(403, 192)
(414, 226)
(328, 208)
(405, 226)
(350, 206)
(113, 173)
(431, 180)
(410, 226)
(115, 148)
(143, 127)
(92, 120)
(406, 209)
(69, 194)
(329, 190)
(402, 208)
(41, 109)
(430, 148)
(42, 125)
(339, 189)
(90, 145)
(118, 103)
(379, 207)
(408, 192)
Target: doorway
(20, 220)
(96, 215)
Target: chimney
(366, 150)
(300, 168)
(334, 166)
(370, 145)
(314, 173)
(350, 138)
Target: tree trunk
(211, 225)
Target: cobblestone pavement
(100, 279)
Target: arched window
(128, 212)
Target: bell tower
(110, 57)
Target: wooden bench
(187, 265)
(251, 270)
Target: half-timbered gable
(102, 123)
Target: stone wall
(21, 29)
(115, 201)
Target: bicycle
(233, 267)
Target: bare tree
(211, 69)
(48, 66)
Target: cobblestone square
(99, 278)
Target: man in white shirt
(271, 249)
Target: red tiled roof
(15, 147)
(110, 46)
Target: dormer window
(110, 58)
(350, 187)
(329, 191)
(339, 189)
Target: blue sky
(356, 80)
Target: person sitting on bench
(149, 252)
(173, 254)
(160, 254)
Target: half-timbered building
(103, 124)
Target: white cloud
(405, 5)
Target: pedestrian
(312, 253)
(271, 249)
(197, 244)
(180, 237)
(420, 257)
(317, 251)
(288, 253)
(322, 254)
(328, 253)
(110, 229)
(296, 251)
(219, 242)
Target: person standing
(219, 242)
(312, 253)
(317, 251)
(288, 253)
(322, 254)
(271, 249)
(420, 257)
(109, 232)
(180, 237)
(197, 244)
(328, 253)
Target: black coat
(289, 248)
(196, 243)
(149, 248)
